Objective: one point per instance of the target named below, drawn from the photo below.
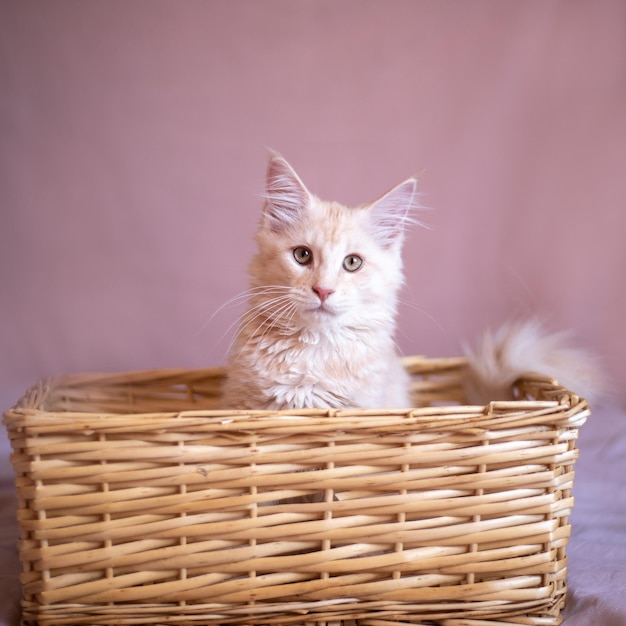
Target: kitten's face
(323, 264)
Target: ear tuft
(391, 213)
(286, 197)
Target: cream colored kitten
(319, 331)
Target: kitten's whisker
(289, 307)
(260, 310)
(244, 295)
(419, 309)
(246, 316)
(277, 316)
(252, 314)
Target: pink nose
(322, 293)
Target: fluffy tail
(501, 357)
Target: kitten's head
(326, 264)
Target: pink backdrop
(133, 149)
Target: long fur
(500, 357)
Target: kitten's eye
(352, 263)
(302, 255)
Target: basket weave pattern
(141, 503)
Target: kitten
(319, 331)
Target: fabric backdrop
(134, 140)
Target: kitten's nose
(323, 293)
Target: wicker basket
(140, 503)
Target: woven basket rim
(569, 406)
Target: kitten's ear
(390, 214)
(286, 197)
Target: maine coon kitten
(319, 331)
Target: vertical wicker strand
(253, 507)
(106, 517)
(473, 547)
(548, 580)
(561, 553)
(41, 516)
(399, 546)
(329, 496)
(182, 489)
